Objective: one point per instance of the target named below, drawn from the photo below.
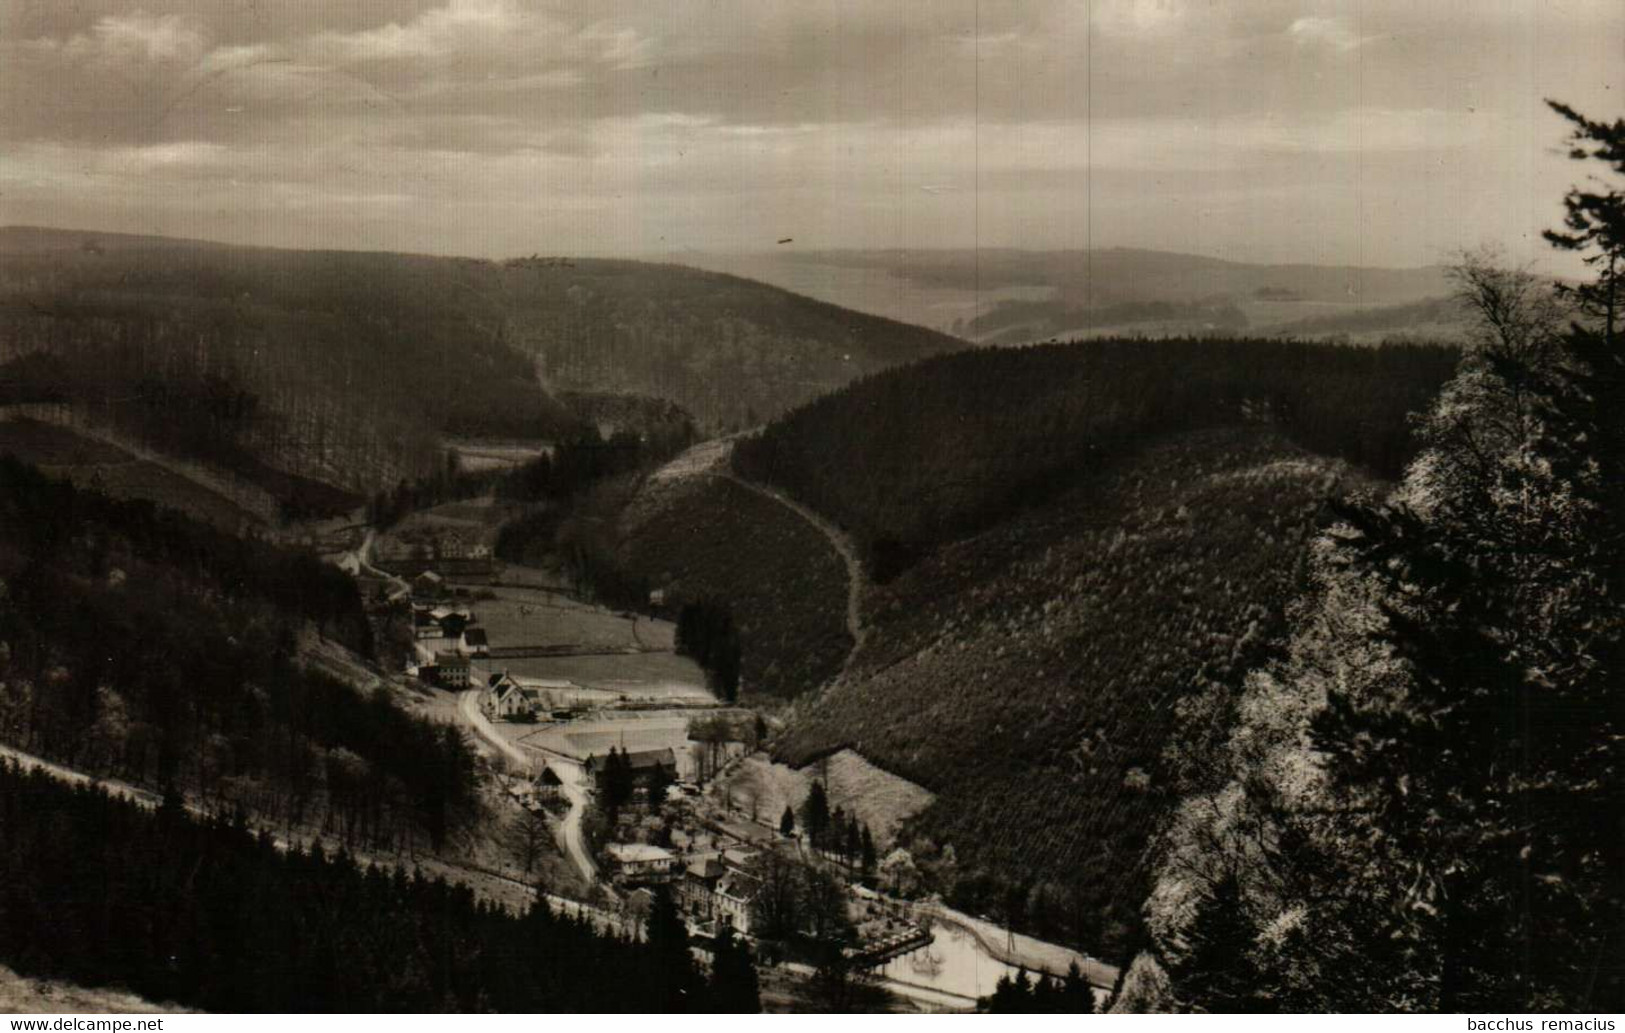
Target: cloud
(138, 37)
(1332, 33)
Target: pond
(954, 962)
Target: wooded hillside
(915, 457)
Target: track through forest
(856, 580)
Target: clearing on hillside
(881, 800)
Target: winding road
(856, 581)
(711, 459)
(572, 780)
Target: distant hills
(351, 368)
(1005, 296)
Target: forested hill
(349, 367)
(344, 367)
(1074, 544)
(731, 351)
(141, 645)
(918, 456)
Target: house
(644, 764)
(548, 785)
(450, 546)
(424, 624)
(508, 700)
(475, 642)
(453, 669)
(734, 900)
(696, 890)
(428, 585)
(640, 862)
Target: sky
(1353, 132)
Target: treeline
(138, 644)
(1023, 995)
(584, 485)
(706, 632)
(915, 457)
(588, 457)
(835, 832)
(100, 891)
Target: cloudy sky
(1348, 131)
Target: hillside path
(711, 459)
(856, 583)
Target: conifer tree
(1416, 802)
(734, 984)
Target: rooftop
(632, 852)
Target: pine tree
(1594, 220)
(1077, 996)
(673, 976)
(735, 988)
(787, 822)
(815, 814)
(1215, 972)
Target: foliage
(1032, 676)
(142, 645)
(785, 587)
(1594, 219)
(706, 632)
(1046, 995)
(342, 367)
(916, 457)
(206, 914)
(1423, 802)
(735, 988)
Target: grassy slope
(706, 537)
(1029, 675)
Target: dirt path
(856, 582)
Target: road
(572, 780)
(856, 580)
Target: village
(598, 728)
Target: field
(881, 800)
(520, 617)
(90, 463)
(479, 455)
(644, 675)
(629, 731)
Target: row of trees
(1423, 808)
(212, 916)
(835, 832)
(1023, 995)
(706, 632)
